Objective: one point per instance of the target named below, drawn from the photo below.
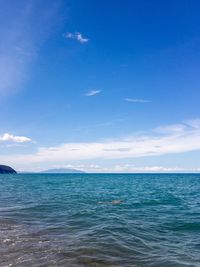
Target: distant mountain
(6, 169)
(62, 170)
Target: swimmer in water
(113, 202)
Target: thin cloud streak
(135, 100)
(93, 93)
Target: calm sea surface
(100, 220)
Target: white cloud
(175, 128)
(186, 139)
(128, 168)
(13, 138)
(195, 123)
(77, 36)
(135, 100)
(93, 93)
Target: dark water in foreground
(78, 220)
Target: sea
(100, 220)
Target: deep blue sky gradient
(141, 49)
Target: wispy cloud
(195, 123)
(22, 37)
(93, 92)
(76, 36)
(136, 100)
(14, 138)
(154, 143)
(175, 128)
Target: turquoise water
(100, 220)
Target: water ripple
(100, 220)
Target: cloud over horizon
(117, 168)
(153, 143)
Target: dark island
(6, 170)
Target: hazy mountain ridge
(62, 170)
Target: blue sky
(108, 86)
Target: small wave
(185, 226)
